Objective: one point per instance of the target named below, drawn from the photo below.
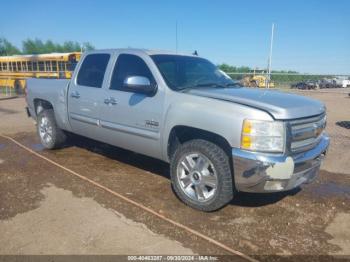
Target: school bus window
(61, 66)
(41, 66)
(30, 66)
(54, 66)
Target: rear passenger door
(133, 120)
(85, 94)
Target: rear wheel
(201, 175)
(51, 136)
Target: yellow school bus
(14, 70)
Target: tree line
(37, 46)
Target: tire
(201, 166)
(50, 135)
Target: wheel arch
(180, 134)
(41, 104)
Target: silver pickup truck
(219, 138)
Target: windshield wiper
(213, 84)
(201, 85)
(234, 84)
(220, 85)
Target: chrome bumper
(259, 172)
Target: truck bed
(52, 90)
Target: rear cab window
(92, 70)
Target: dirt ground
(42, 205)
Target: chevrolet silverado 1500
(219, 138)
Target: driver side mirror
(140, 84)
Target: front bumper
(259, 172)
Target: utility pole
(270, 56)
(176, 36)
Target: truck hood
(280, 105)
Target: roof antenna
(195, 53)
(176, 36)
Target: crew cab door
(85, 94)
(130, 119)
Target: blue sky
(310, 36)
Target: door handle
(113, 101)
(75, 94)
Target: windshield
(183, 72)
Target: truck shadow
(261, 199)
(161, 168)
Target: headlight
(265, 136)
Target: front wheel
(51, 136)
(201, 175)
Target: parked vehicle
(15, 69)
(329, 83)
(219, 138)
(256, 81)
(305, 85)
(346, 83)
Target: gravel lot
(42, 205)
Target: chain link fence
(291, 80)
(7, 88)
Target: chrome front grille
(306, 133)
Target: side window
(129, 65)
(92, 70)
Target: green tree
(234, 69)
(87, 46)
(6, 48)
(37, 46)
(50, 47)
(70, 46)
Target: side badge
(151, 123)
